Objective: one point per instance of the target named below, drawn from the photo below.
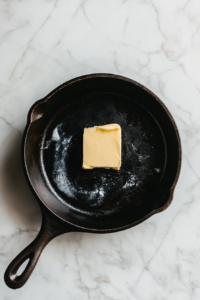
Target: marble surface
(156, 42)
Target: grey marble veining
(156, 42)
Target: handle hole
(23, 267)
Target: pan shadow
(21, 203)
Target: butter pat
(102, 147)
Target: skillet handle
(51, 227)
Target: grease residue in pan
(143, 154)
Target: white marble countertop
(157, 43)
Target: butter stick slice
(102, 147)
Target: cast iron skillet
(98, 200)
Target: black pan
(97, 200)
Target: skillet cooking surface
(103, 191)
(101, 199)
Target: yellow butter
(102, 147)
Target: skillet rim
(30, 120)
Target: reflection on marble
(156, 42)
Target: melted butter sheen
(102, 147)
